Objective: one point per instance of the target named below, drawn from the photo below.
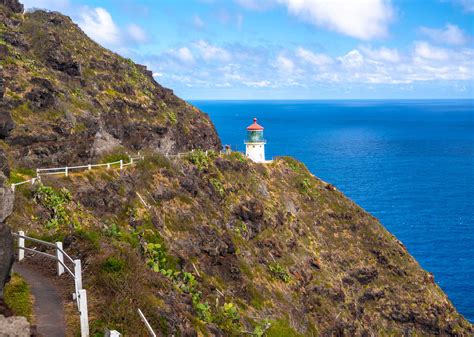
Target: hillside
(66, 99)
(219, 245)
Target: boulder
(14, 326)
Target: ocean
(408, 162)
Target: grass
(20, 174)
(281, 328)
(18, 297)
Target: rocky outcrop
(7, 197)
(14, 5)
(6, 255)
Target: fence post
(108, 166)
(89, 167)
(37, 172)
(83, 313)
(121, 163)
(60, 256)
(13, 187)
(131, 160)
(77, 275)
(66, 171)
(21, 244)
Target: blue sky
(290, 49)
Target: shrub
(55, 202)
(201, 159)
(113, 265)
(18, 298)
(218, 186)
(116, 155)
(156, 256)
(279, 272)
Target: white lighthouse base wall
(256, 152)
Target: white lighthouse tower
(255, 144)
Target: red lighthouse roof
(255, 126)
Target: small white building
(255, 144)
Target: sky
(289, 49)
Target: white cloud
(211, 52)
(284, 64)
(259, 84)
(184, 55)
(136, 33)
(256, 68)
(99, 25)
(362, 19)
(352, 59)
(382, 54)
(319, 60)
(424, 50)
(451, 34)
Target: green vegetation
(55, 202)
(281, 328)
(279, 272)
(115, 156)
(113, 265)
(218, 186)
(20, 174)
(18, 298)
(201, 159)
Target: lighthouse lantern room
(255, 144)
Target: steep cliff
(206, 244)
(66, 99)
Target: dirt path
(48, 308)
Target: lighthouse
(255, 144)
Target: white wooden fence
(80, 294)
(68, 169)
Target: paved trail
(48, 308)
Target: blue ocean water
(409, 163)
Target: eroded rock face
(6, 255)
(14, 5)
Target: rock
(364, 275)
(63, 63)
(42, 96)
(14, 5)
(371, 295)
(104, 142)
(14, 327)
(6, 123)
(7, 197)
(4, 167)
(2, 81)
(6, 256)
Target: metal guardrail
(80, 294)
